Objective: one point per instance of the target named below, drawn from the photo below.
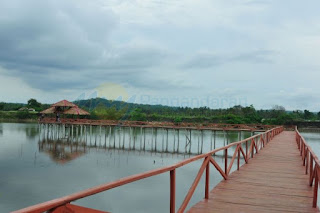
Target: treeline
(117, 110)
(32, 103)
(20, 111)
(100, 108)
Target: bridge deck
(273, 181)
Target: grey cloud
(209, 60)
(65, 44)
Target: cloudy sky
(216, 53)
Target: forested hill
(100, 108)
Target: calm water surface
(35, 169)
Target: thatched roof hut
(64, 103)
(50, 110)
(76, 111)
(65, 107)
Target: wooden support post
(114, 137)
(100, 134)
(226, 161)
(167, 140)
(134, 138)
(190, 142)
(110, 135)
(198, 142)
(307, 161)
(119, 137)
(211, 136)
(201, 141)
(172, 191)
(238, 164)
(155, 139)
(174, 140)
(72, 132)
(129, 137)
(315, 190)
(311, 170)
(162, 150)
(186, 142)
(178, 141)
(214, 141)
(144, 139)
(90, 133)
(105, 136)
(151, 138)
(247, 150)
(207, 180)
(124, 137)
(140, 138)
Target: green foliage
(138, 115)
(33, 103)
(177, 120)
(18, 115)
(108, 113)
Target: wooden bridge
(274, 181)
(280, 174)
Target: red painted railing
(257, 142)
(312, 164)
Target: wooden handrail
(312, 164)
(257, 143)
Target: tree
(138, 115)
(33, 103)
(308, 115)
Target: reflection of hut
(65, 107)
(61, 153)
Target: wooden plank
(273, 181)
(71, 208)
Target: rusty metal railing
(257, 142)
(312, 164)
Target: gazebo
(64, 107)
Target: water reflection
(181, 141)
(60, 152)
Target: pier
(135, 135)
(280, 174)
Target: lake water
(313, 139)
(34, 168)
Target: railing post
(311, 170)
(252, 150)
(226, 162)
(247, 150)
(304, 154)
(238, 164)
(172, 191)
(307, 160)
(207, 180)
(315, 191)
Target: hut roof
(50, 110)
(63, 103)
(76, 111)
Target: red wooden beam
(172, 191)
